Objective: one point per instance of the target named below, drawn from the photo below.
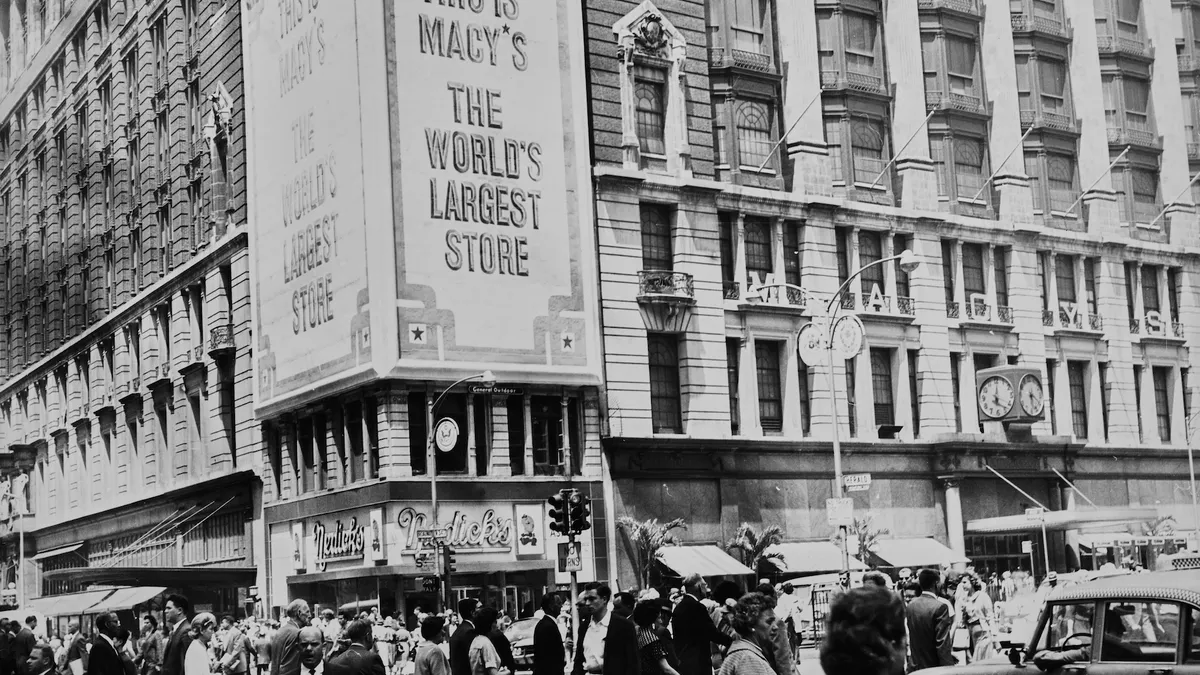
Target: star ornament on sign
(568, 342)
(418, 333)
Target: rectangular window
(759, 258)
(1173, 291)
(1000, 262)
(1131, 279)
(1051, 366)
(956, 390)
(1150, 298)
(725, 226)
(1089, 283)
(754, 138)
(1052, 78)
(973, 278)
(656, 238)
(1145, 195)
(1137, 398)
(969, 170)
(1033, 169)
(1105, 395)
(515, 412)
(1137, 103)
(833, 142)
(948, 269)
(791, 252)
(1060, 179)
(1187, 393)
(914, 391)
(881, 386)
(1064, 274)
(900, 243)
(733, 350)
(960, 64)
(851, 399)
(650, 94)
(770, 386)
(859, 39)
(1162, 401)
(805, 398)
(868, 148)
(665, 408)
(843, 253)
(1076, 372)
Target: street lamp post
(1187, 426)
(908, 262)
(488, 380)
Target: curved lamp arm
(486, 376)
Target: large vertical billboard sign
(490, 250)
(307, 221)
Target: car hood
(997, 665)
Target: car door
(1065, 628)
(1146, 637)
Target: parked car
(520, 635)
(1138, 623)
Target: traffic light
(451, 562)
(558, 512)
(581, 512)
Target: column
(1164, 299)
(1000, 72)
(471, 438)
(568, 462)
(793, 426)
(960, 291)
(395, 450)
(917, 187)
(1139, 306)
(777, 262)
(750, 424)
(1051, 281)
(864, 396)
(797, 24)
(1062, 397)
(903, 396)
(1095, 400)
(967, 386)
(1080, 292)
(1179, 220)
(739, 254)
(1178, 417)
(855, 289)
(527, 407)
(954, 515)
(989, 276)
(1148, 419)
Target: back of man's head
(358, 631)
(297, 607)
(928, 578)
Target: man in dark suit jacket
(549, 653)
(929, 618)
(103, 659)
(358, 659)
(23, 644)
(694, 629)
(175, 613)
(617, 654)
(285, 645)
(460, 642)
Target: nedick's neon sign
(491, 532)
(343, 543)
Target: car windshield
(521, 630)
(1069, 626)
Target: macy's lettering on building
(343, 543)
(490, 533)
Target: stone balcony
(665, 299)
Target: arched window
(650, 95)
(968, 166)
(867, 144)
(754, 133)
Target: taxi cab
(1141, 623)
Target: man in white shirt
(312, 651)
(787, 610)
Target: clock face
(996, 397)
(1031, 396)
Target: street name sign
(857, 482)
(839, 511)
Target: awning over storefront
(706, 560)
(913, 552)
(810, 557)
(70, 604)
(57, 551)
(158, 576)
(128, 598)
(1062, 520)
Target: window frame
(658, 252)
(668, 377)
(768, 371)
(883, 386)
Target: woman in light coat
(196, 660)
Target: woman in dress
(196, 660)
(753, 618)
(652, 652)
(865, 635)
(975, 614)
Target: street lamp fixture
(488, 380)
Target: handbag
(962, 639)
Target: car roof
(1175, 585)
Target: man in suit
(235, 650)
(310, 650)
(179, 638)
(41, 660)
(103, 659)
(285, 645)
(607, 643)
(694, 629)
(358, 659)
(929, 618)
(460, 642)
(549, 654)
(23, 644)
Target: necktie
(312, 671)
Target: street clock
(1010, 394)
